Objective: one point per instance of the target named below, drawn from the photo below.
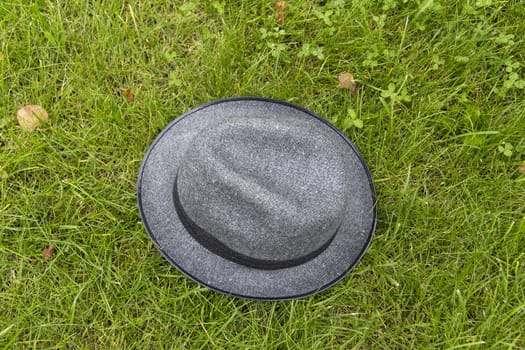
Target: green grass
(446, 268)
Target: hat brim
(155, 201)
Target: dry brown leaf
(280, 6)
(521, 169)
(48, 252)
(129, 95)
(347, 81)
(31, 117)
(1, 56)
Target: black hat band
(214, 245)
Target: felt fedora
(257, 198)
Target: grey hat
(257, 198)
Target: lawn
(438, 113)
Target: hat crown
(269, 192)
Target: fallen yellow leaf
(347, 81)
(31, 116)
